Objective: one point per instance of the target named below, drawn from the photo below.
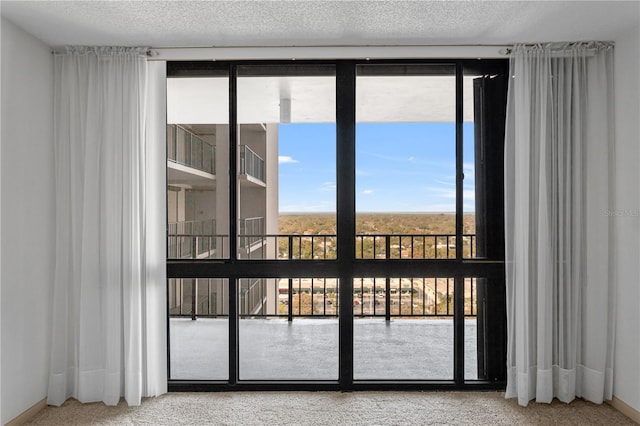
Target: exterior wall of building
(257, 200)
(200, 204)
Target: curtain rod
(561, 49)
(557, 53)
(328, 52)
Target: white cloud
(285, 159)
(367, 192)
(328, 187)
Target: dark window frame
(346, 267)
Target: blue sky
(400, 167)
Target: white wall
(27, 220)
(627, 226)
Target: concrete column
(222, 188)
(272, 209)
(181, 205)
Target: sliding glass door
(405, 210)
(286, 144)
(335, 225)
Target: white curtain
(560, 288)
(109, 322)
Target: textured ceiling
(318, 23)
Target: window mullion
(346, 208)
(458, 295)
(233, 224)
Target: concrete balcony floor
(307, 349)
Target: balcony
(288, 327)
(192, 239)
(252, 169)
(188, 149)
(299, 340)
(252, 234)
(382, 350)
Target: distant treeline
(376, 223)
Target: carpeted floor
(332, 408)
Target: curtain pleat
(100, 303)
(560, 288)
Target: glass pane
(405, 331)
(472, 352)
(405, 162)
(199, 329)
(288, 329)
(470, 157)
(286, 162)
(197, 168)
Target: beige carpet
(332, 408)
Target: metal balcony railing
(318, 297)
(417, 246)
(251, 164)
(192, 239)
(189, 239)
(191, 297)
(186, 148)
(252, 231)
(252, 296)
(380, 246)
(298, 297)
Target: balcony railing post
(387, 246)
(201, 156)
(290, 247)
(174, 143)
(448, 243)
(387, 299)
(194, 294)
(290, 296)
(290, 287)
(189, 159)
(324, 296)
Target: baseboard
(625, 409)
(28, 414)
